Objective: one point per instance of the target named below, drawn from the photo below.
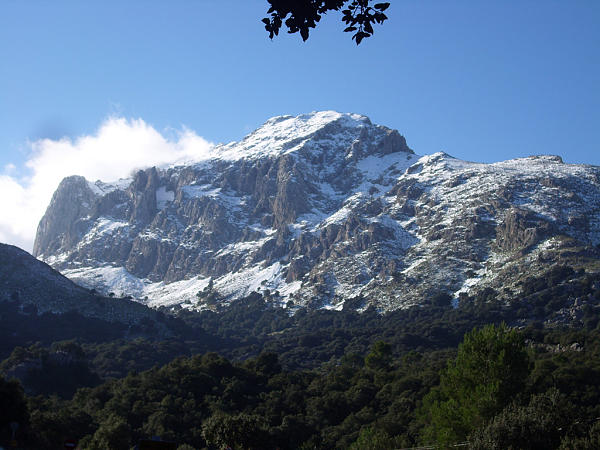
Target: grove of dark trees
(487, 374)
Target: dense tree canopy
(317, 379)
(490, 369)
(13, 408)
(301, 15)
(356, 402)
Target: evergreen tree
(490, 369)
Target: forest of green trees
(485, 375)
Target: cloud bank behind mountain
(118, 147)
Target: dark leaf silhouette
(301, 16)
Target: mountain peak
(324, 129)
(316, 119)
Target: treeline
(315, 379)
(498, 390)
(305, 339)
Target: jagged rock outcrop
(321, 208)
(62, 225)
(521, 229)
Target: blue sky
(482, 80)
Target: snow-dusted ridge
(286, 134)
(316, 209)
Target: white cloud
(114, 151)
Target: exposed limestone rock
(323, 207)
(64, 223)
(520, 230)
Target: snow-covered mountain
(317, 209)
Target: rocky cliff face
(317, 209)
